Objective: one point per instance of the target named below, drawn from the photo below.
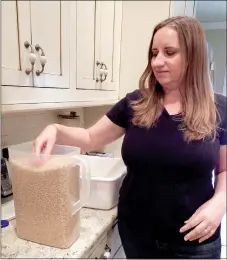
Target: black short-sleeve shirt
(167, 179)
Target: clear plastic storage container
(48, 195)
(26, 148)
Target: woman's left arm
(208, 217)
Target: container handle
(85, 183)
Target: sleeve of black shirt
(120, 114)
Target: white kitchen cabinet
(84, 47)
(98, 45)
(98, 252)
(15, 32)
(110, 43)
(46, 23)
(74, 36)
(53, 26)
(114, 243)
(120, 254)
(50, 29)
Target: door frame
(186, 7)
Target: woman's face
(167, 60)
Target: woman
(175, 136)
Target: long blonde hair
(198, 106)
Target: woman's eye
(170, 53)
(154, 54)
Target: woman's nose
(158, 61)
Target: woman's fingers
(48, 148)
(194, 221)
(208, 235)
(45, 142)
(39, 144)
(203, 231)
(33, 147)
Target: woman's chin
(168, 85)
(163, 81)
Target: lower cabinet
(109, 246)
(114, 243)
(120, 254)
(99, 251)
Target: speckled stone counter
(94, 224)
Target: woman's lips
(161, 73)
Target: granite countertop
(94, 224)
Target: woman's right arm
(98, 135)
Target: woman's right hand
(45, 141)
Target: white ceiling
(211, 11)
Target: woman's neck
(172, 102)
(172, 96)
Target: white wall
(217, 38)
(136, 36)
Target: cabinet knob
(103, 71)
(32, 57)
(98, 65)
(43, 59)
(106, 255)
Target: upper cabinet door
(50, 27)
(15, 31)
(85, 42)
(109, 44)
(98, 45)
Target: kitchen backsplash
(17, 128)
(23, 127)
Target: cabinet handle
(103, 71)
(43, 59)
(107, 253)
(32, 57)
(97, 64)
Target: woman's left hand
(204, 221)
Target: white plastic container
(107, 175)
